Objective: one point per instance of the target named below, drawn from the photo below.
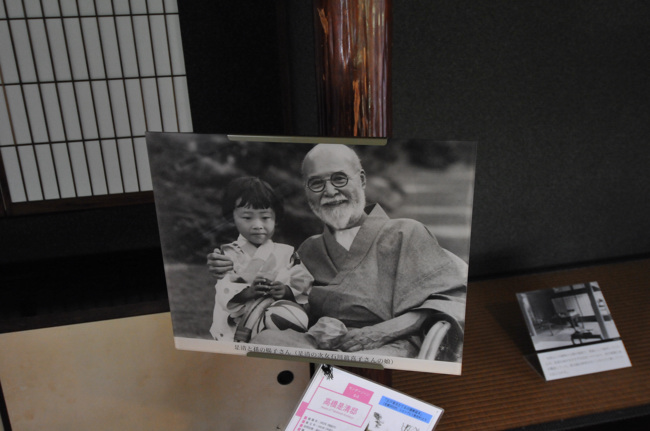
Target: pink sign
(358, 393)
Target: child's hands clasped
(262, 286)
(278, 290)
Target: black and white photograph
(313, 248)
(567, 316)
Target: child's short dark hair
(251, 192)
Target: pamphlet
(337, 400)
(572, 330)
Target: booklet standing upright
(572, 330)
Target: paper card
(336, 400)
(407, 246)
(572, 330)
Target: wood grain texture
(353, 67)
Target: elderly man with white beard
(386, 280)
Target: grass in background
(191, 299)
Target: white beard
(340, 216)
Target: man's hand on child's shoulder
(219, 264)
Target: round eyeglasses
(338, 180)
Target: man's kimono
(392, 267)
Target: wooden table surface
(499, 390)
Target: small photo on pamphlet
(572, 330)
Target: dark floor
(639, 423)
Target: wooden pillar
(353, 41)
(353, 67)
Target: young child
(262, 269)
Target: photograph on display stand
(321, 248)
(572, 330)
(567, 316)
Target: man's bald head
(338, 155)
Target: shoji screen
(82, 80)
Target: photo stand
(572, 331)
(407, 258)
(364, 365)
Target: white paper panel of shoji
(81, 84)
